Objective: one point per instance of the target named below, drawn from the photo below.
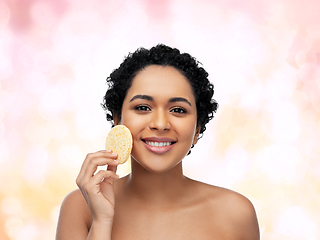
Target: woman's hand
(97, 188)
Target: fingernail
(108, 150)
(116, 161)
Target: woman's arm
(96, 203)
(243, 217)
(100, 231)
(233, 213)
(73, 219)
(248, 221)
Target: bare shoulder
(234, 202)
(75, 217)
(234, 212)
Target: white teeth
(159, 144)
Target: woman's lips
(158, 145)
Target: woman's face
(160, 111)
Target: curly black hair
(120, 80)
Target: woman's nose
(159, 121)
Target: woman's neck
(157, 188)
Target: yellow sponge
(119, 140)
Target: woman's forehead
(160, 80)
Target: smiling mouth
(158, 144)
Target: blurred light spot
(251, 96)
(300, 99)
(42, 13)
(15, 142)
(35, 166)
(309, 72)
(42, 193)
(13, 222)
(35, 82)
(83, 22)
(312, 146)
(237, 163)
(309, 120)
(304, 56)
(2, 128)
(311, 92)
(52, 102)
(138, 19)
(282, 84)
(224, 118)
(19, 107)
(316, 169)
(57, 128)
(236, 54)
(55, 213)
(11, 205)
(4, 151)
(89, 117)
(42, 198)
(4, 14)
(285, 121)
(186, 34)
(5, 66)
(82, 72)
(282, 37)
(43, 61)
(281, 163)
(241, 48)
(255, 128)
(26, 55)
(261, 53)
(296, 223)
(11, 178)
(316, 101)
(13, 226)
(228, 81)
(37, 134)
(88, 125)
(237, 136)
(70, 156)
(64, 50)
(107, 57)
(2, 111)
(314, 30)
(30, 231)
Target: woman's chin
(156, 165)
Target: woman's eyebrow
(179, 99)
(146, 97)
(171, 100)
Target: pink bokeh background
(262, 56)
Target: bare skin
(155, 201)
(197, 211)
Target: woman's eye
(178, 110)
(142, 108)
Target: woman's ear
(196, 135)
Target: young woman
(165, 99)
